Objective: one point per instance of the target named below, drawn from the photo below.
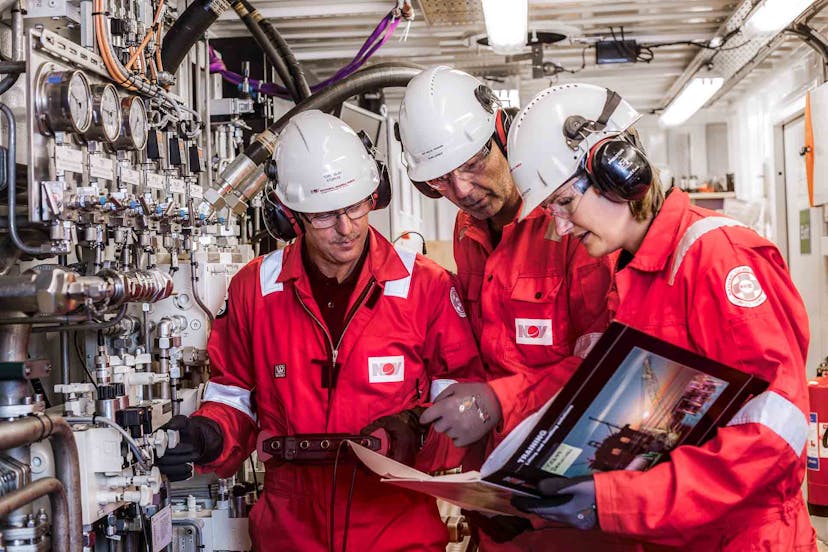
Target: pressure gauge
(106, 114)
(134, 126)
(64, 102)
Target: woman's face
(601, 225)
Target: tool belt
(314, 448)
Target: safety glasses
(565, 200)
(470, 167)
(321, 221)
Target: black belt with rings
(314, 448)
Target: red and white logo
(743, 289)
(533, 331)
(457, 303)
(386, 369)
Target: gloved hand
(570, 501)
(465, 412)
(499, 528)
(199, 442)
(402, 432)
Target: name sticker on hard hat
(386, 369)
(743, 289)
(457, 303)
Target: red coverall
(537, 302)
(724, 292)
(406, 328)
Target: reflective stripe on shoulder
(778, 414)
(235, 397)
(269, 272)
(399, 288)
(692, 235)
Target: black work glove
(465, 412)
(199, 442)
(499, 528)
(570, 501)
(402, 432)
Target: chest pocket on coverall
(540, 319)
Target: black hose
(250, 17)
(293, 64)
(187, 30)
(11, 176)
(373, 78)
(12, 67)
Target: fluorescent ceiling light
(690, 99)
(774, 15)
(506, 24)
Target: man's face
(481, 186)
(341, 243)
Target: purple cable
(384, 29)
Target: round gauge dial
(106, 114)
(64, 102)
(135, 126)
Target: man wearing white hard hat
(336, 336)
(536, 301)
(701, 281)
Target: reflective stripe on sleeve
(399, 288)
(778, 414)
(692, 235)
(269, 272)
(235, 397)
(585, 343)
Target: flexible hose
(373, 78)
(293, 64)
(187, 30)
(250, 17)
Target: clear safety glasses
(565, 200)
(320, 221)
(470, 167)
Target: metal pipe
(92, 326)
(57, 498)
(11, 177)
(64, 342)
(25, 431)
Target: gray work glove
(570, 501)
(465, 412)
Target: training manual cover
(634, 399)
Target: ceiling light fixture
(506, 24)
(774, 15)
(694, 95)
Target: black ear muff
(382, 195)
(280, 222)
(619, 170)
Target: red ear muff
(619, 170)
(501, 133)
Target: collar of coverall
(664, 234)
(383, 262)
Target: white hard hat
(551, 135)
(322, 165)
(444, 121)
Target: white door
(804, 229)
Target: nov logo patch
(280, 371)
(532, 331)
(386, 369)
